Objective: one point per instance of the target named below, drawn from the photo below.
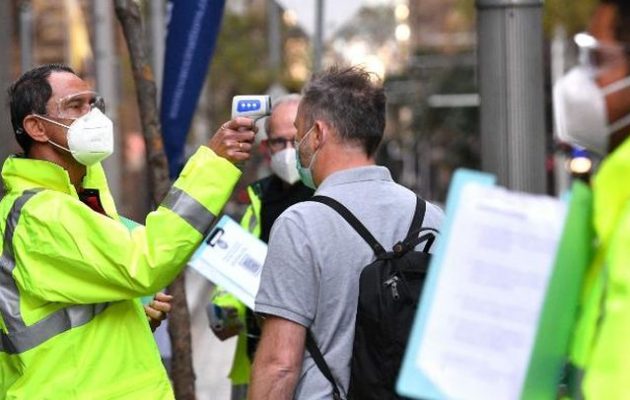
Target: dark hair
(29, 94)
(351, 101)
(622, 23)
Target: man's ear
(34, 127)
(322, 133)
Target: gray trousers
(239, 392)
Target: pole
(6, 40)
(318, 40)
(158, 40)
(275, 47)
(558, 65)
(26, 35)
(128, 13)
(511, 86)
(106, 78)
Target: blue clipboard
(560, 294)
(412, 382)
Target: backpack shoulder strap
(352, 220)
(321, 363)
(418, 218)
(413, 237)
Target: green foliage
(239, 65)
(572, 14)
(466, 8)
(376, 24)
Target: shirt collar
(352, 175)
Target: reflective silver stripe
(9, 295)
(19, 337)
(62, 320)
(189, 209)
(253, 221)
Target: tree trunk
(128, 14)
(6, 53)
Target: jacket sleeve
(65, 252)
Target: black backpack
(389, 291)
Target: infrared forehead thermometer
(252, 106)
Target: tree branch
(128, 14)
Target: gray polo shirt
(311, 274)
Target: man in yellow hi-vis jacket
(592, 107)
(70, 270)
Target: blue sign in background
(192, 34)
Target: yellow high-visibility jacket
(70, 327)
(252, 222)
(600, 350)
(251, 219)
(241, 365)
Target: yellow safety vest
(241, 365)
(600, 352)
(251, 218)
(70, 327)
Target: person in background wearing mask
(71, 271)
(592, 110)
(310, 279)
(269, 197)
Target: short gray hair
(352, 101)
(285, 99)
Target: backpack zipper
(392, 283)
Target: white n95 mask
(283, 165)
(579, 108)
(90, 137)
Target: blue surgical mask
(306, 175)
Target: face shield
(579, 103)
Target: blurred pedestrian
(592, 109)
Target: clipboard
(232, 258)
(412, 381)
(540, 356)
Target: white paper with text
(483, 319)
(231, 258)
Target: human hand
(233, 141)
(158, 309)
(224, 321)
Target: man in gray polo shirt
(311, 274)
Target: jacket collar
(611, 191)
(20, 174)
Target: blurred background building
(425, 50)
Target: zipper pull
(393, 285)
